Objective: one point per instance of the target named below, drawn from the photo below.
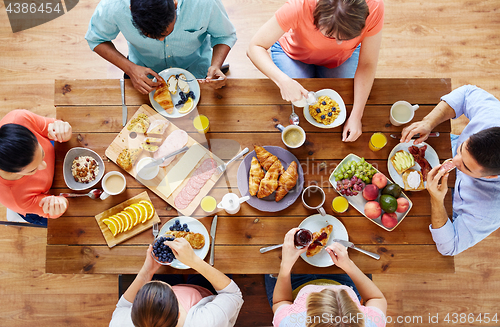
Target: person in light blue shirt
(195, 35)
(476, 198)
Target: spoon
(294, 118)
(269, 248)
(93, 194)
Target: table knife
(212, 235)
(124, 107)
(157, 162)
(351, 245)
(416, 136)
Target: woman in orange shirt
(27, 164)
(326, 39)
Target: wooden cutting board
(139, 228)
(130, 140)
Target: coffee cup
(113, 183)
(313, 197)
(402, 112)
(293, 136)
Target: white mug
(113, 189)
(315, 188)
(402, 112)
(293, 136)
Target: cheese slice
(181, 170)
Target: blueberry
(177, 222)
(318, 110)
(186, 230)
(193, 97)
(170, 238)
(185, 225)
(334, 109)
(322, 116)
(171, 228)
(330, 114)
(323, 103)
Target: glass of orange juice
(208, 204)
(340, 204)
(377, 141)
(201, 123)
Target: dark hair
(341, 19)
(155, 305)
(17, 147)
(484, 146)
(152, 17)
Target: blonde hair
(330, 308)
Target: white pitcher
(231, 203)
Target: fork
(222, 168)
(155, 230)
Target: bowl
(148, 173)
(68, 161)
(154, 257)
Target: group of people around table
(304, 39)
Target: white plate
(335, 97)
(68, 162)
(358, 201)
(193, 86)
(194, 226)
(314, 223)
(430, 155)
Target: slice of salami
(447, 166)
(208, 164)
(191, 190)
(196, 183)
(187, 196)
(179, 203)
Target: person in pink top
(325, 39)
(322, 303)
(27, 164)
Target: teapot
(231, 203)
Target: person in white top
(153, 303)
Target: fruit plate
(358, 201)
(430, 154)
(268, 203)
(193, 86)
(194, 226)
(314, 223)
(335, 97)
(139, 228)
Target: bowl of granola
(82, 168)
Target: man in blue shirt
(476, 198)
(163, 34)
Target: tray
(139, 228)
(358, 202)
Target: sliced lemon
(118, 221)
(134, 213)
(144, 211)
(112, 226)
(187, 106)
(149, 207)
(125, 220)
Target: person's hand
(339, 255)
(352, 130)
(291, 90)
(289, 253)
(421, 127)
(215, 78)
(436, 189)
(183, 251)
(54, 205)
(59, 131)
(150, 265)
(139, 77)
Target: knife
(157, 162)
(212, 235)
(416, 136)
(124, 107)
(351, 245)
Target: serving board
(139, 228)
(132, 140)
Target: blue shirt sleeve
(102, 27)
(470, 100)
(220, 28)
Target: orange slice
(149, 207)
(112, 225)
(118, 221)
(130, 219)
(134, 213)
(125, 220)
(143, 209)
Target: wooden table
(246, 111)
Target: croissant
(163, 97)
(287, 181)
(269, 183)
(266, 158)
(256, 175)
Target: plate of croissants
(177, 95)
(272, 176)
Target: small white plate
(193, 86)
(314, 223)
(430, 154)
(68, 162)
(335, 97)
(194, 226)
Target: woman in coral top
(324, 302)
(325, 39)
(27, 164)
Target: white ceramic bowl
(68, 161)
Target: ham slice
(176, 140)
